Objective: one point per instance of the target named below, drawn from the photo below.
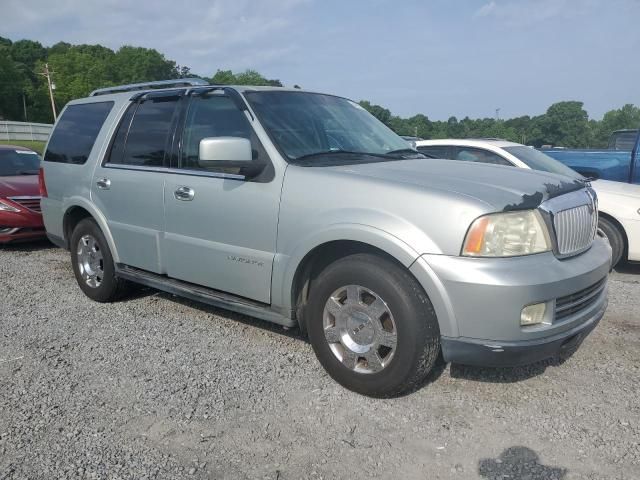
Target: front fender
(285, 266)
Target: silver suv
(302, 209)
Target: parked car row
(618, 203)
(303, 209)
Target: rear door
(222, 235)
(129, 186)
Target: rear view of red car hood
(19, 185)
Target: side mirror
(213, 150)
(228, 152)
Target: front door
(220, 229)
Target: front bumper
(511, 354)
(21, 226)
(479, 302)
(22, 235)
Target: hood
(616, 188)
(19, 185)
(504, 188)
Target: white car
(618, 203)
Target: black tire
(111, 287)
(416, 325)
(616, 239)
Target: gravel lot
(159, 387)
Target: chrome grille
(576, 228)
(579, 301)
(32, 203)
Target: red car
(20, 216)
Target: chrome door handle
(103, 183)
(184, 193)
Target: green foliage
(11, 82)
(78, 69)
(626, 117)
(564, 124)
(248, 77)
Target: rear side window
(478, 155)
(143, 137)
(76, 132)
(437, 151)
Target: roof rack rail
(178, 82)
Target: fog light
(533, 314)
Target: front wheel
(372, 326)
(615, 238)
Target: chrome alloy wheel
(90, 261)
(360, 329)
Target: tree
(566, 124)
(248, 77)
(137, 64)
(11, 87)
(626, 117)
(377, 111)
(27, 52)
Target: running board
(203, 294)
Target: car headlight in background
(507, 234)
(5, 207)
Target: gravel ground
(159, 387)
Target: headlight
(5, 207)
(507, 235)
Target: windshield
(18, 162)
(309, 125)
(537, 160)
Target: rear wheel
(615, 237)
(371, 325)
(93, 264)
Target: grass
(35, 146)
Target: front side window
(18, 162)
(211, 115)
(304, 124)
(468, 154)
(76, 132)
(143, 137)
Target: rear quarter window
(76, 132)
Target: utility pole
(497, 114)
(47, 73)
(24, 106)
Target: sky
(441, 58)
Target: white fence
(25, 131)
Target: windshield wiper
(402, 151)
(336, 152)
(27, 172)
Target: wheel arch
(77, 210)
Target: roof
(126, 95)
(469, 142)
